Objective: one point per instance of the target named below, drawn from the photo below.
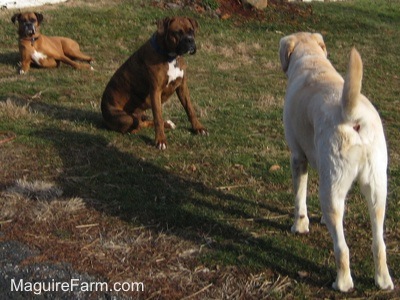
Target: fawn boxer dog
(149, 77)
(330, 125)
(45, 51)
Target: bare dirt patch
(226, 9)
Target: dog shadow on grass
(34, 104)
(10, 58)
(133, 189)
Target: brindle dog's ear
(39, 17)
(15, 18)
(162, 25)
(194, 24)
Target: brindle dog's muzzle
(186, 45)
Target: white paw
(171, 124)
(21, 72)
(203, 132)
(161, 146)
(344, 284)
(384, 282)
(301, 225)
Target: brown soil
(235, 8)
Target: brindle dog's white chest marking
(37, 56)
(174, 71)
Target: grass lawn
(210, 217)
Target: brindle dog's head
(28, 23)
(178, 34)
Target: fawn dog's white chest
(37, 56)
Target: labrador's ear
(286, 47)
(320, 40)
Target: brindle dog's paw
(161, 146)
(201, 131)
(161, 143)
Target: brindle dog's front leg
(160, 139)
(184, 96)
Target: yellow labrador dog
(330, 125)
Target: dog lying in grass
(45, 51)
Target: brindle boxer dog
(149, 77)
(45, 51)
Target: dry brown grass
(10, 109)
(67, 229)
